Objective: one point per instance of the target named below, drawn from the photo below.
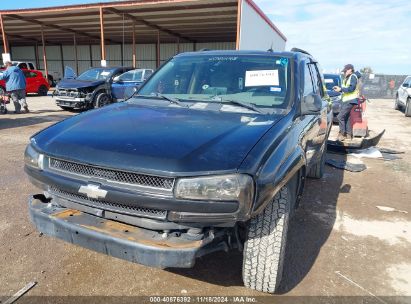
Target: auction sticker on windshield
(261, 78)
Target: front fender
(99, 89)
(274, 175)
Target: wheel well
(299, 177)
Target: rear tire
(408, 108)
(102, 100)
(317, 171)
(264, 248)
(42, 91)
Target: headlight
(217, 188)
(32, 158)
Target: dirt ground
(339, 242)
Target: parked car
(35, 83)
(130, 79)
(92, 89)
(212, 153)
(332, 80)
(403, 97)
(52, 76)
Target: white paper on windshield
(199, 105)
(261, 78)
(105, 73)
(235, 109)
(328, 80)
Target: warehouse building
(142, 33)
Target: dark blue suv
(211, 153)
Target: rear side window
(308, 81)
(31, 66)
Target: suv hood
(168, 140)
(78, 84)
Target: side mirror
(129, 92)
(116, 79)
(311, 104)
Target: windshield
(259, 80)
(331, 81)
(96, 74)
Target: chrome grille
(110, 206)
(68, 93)
(112, 175)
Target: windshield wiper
(246, 105)
(170, 99)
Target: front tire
(264, 248)
(102, 100)
(408, 108)
(396, 105)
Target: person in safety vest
(350, 92)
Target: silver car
(403, 98)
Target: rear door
(32, 82)
(316, 125)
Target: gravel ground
(339, 242)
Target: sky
(373, 33)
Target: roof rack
(294, 49)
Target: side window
(26, 74)
(128, 76)
(320, 79)
(147, 74)
(31, 66)
(308, 81)
(23, 66)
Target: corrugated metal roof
(186, 20)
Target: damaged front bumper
(124, 241)
(70, 102)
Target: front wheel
(264, 248)
(408, 108)
(102, 100)
(396, 105)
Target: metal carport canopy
(185, 20)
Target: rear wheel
(101, 100)
(264, 248)
(408, 108)
(42, 91)
(317, 171)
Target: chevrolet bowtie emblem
(93, 191)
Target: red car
(35, 83)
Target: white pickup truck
(52, 76)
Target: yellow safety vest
(350, 95)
